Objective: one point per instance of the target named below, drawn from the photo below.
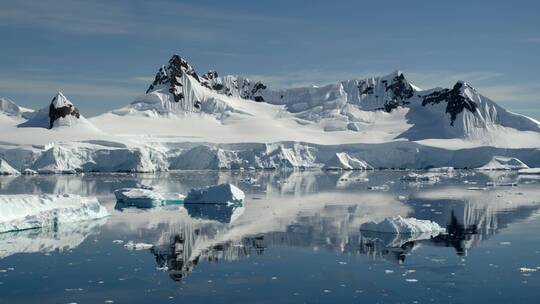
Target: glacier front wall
(94, 157)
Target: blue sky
(102, 54)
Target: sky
(103, 54)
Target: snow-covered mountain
(459, 112)
(187, 120)
(10, 108)
(59, 113)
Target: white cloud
(148, 18)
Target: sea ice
(26, 211)
(220, 194)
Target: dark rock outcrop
(456, 100)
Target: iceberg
(221, 194)
(400, 225)
(26, 211)
(504, 163)
(7, 169)
(146, 197)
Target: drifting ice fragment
(400, 225)
(21, 212)
(145, 198)
(421, 178)
(496, 184)
(137, 246)
(220, 194)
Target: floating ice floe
(29, 171)
(421, 178)
(383, 187)
(501, 184)
(22, 211)
(7, 169)
(146, 197)
(137, 246)
(447, 170)
(220, 194)
(531, 171)
(400, 225)
(504, 163)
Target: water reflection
(48, 239)
(315, 210)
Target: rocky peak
(456, 100)
(61, 107)
(171, 74)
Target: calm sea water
(297, 240)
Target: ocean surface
(297, 239)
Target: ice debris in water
(137, 246)
(27, 211)
(400, 225)
(220, 194)
(384, 187)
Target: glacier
(187, 120)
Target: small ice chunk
(525, 269)
(429, 177)
(501, 184)
(400, 225)
(220, 194)
(27, 211)
(137, 246)
(379, 188)
(477, 188)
